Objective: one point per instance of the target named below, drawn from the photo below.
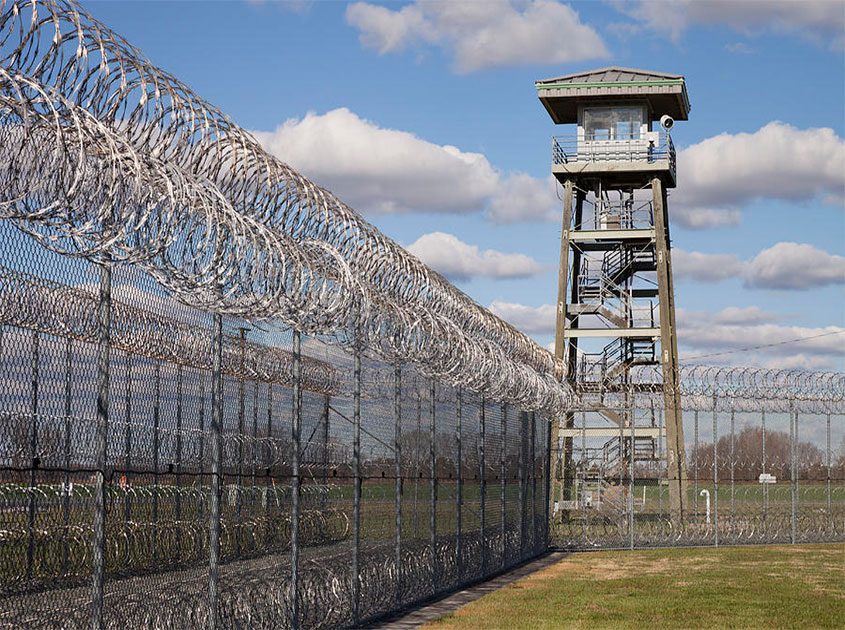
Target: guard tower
(615, 307)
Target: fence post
(793, 428)
(269, 529)
(178, 461)
(585, 464)
(797, 476)
(324, 494)
(521, 478)
(253, 459)
(829, 516)
(417, 455)
(156, 449)
(99, 551)
(296, 426)
(356, 496)
(631, 472)
(432, 482)
(659, 457)
(533, 477)
(502, 483)
(695, 464)
(33, 459)
(397, 488)
(715, 477)
(733, 461)
(66, 502)
(201, 420)
(765, 489)
(127, 462)
(483, 488)
(622, 500)
(460, 490)
(547, 476)
(241, 421)
(216, 469)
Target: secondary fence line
(765, 471)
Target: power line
(765, 345)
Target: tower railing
(624, 214)
(580, 149)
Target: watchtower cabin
(615, 308)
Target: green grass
(733, 587)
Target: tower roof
(665, 93)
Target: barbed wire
(110, 158)
(735, 387)
(29, 302)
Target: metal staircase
(601, 472)
(598, 372)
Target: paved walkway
(417, 617)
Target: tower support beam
(675, 454)
(555, 451)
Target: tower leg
(675, 454)
(556, 459)
(564, 473)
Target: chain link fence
(777, 438)
(228, 401)
(335, 487)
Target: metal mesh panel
(228, 400)
(776, 441)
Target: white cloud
(828, 341)
(720, 174)
(294, 6)
(382, 171)
(732, 315)
(530, 320)
(387, 171)
(739, 48)
(703, 218)
(822, 21)
(794, 266)
(705, 267)
(744, 315)
(785, 265)
(481, 35)
(457, 260)
(521, 197)
(734, 334)
(799, 361)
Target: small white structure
(706, 494)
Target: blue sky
(425, 119)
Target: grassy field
(768, 587)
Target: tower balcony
(625, 160)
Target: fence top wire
(108, 157)
(732, 388)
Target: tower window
(613, 123)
